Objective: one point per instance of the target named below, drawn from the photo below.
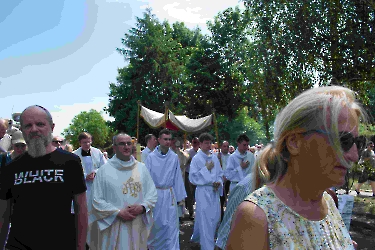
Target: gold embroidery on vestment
(132, 187)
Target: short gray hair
(114, 138)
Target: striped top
(238, 194)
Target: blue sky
(62, 54)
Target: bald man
(42, 184)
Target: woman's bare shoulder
(249, 226)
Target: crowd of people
(258, 197)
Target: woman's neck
(303, 195)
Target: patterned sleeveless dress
(289, 230)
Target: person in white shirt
(151, 144)
(240, 163)
(207, 175)
(91, 159)
(124, 196)
(223, 157)
(165, 171)
(190, 188)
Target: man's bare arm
(5, 208)
(81, 217)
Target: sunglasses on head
(347, 139)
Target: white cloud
(65, 113)
(192, 12)
(185, 14)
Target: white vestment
(145, 153)
(207, 213)
(117, 185)
(224, 160)
(166, 173)
(90, 164)
(5, 143)
(234, 172)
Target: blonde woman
(314, 147)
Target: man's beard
(37, 146)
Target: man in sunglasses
(57, 141)
(368, 174)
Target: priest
(124, 196)
(91, 159)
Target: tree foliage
(319, 41)
(91, 122)
(157, 54)
(241, 124)
(256, 59)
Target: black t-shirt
(42, 190)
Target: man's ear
(294, 143)
(53, 126)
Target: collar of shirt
(84, 153)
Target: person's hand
(355, 244)
(244, 164)
(181, 203)
(90, 177)
(126, 215)
(209, 165)
(135, 209)
(216, 185)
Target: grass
(365, 205)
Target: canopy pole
(185, 139)
(138, 145)
(216, 133)
(166, 114)
(139, 106)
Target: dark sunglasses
(20, 145)
(57, 141)
(347, 139)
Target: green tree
(156, 54)
(91, 122)
(320, 41)
(242, 68)
(229, 130)
(214, 68)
